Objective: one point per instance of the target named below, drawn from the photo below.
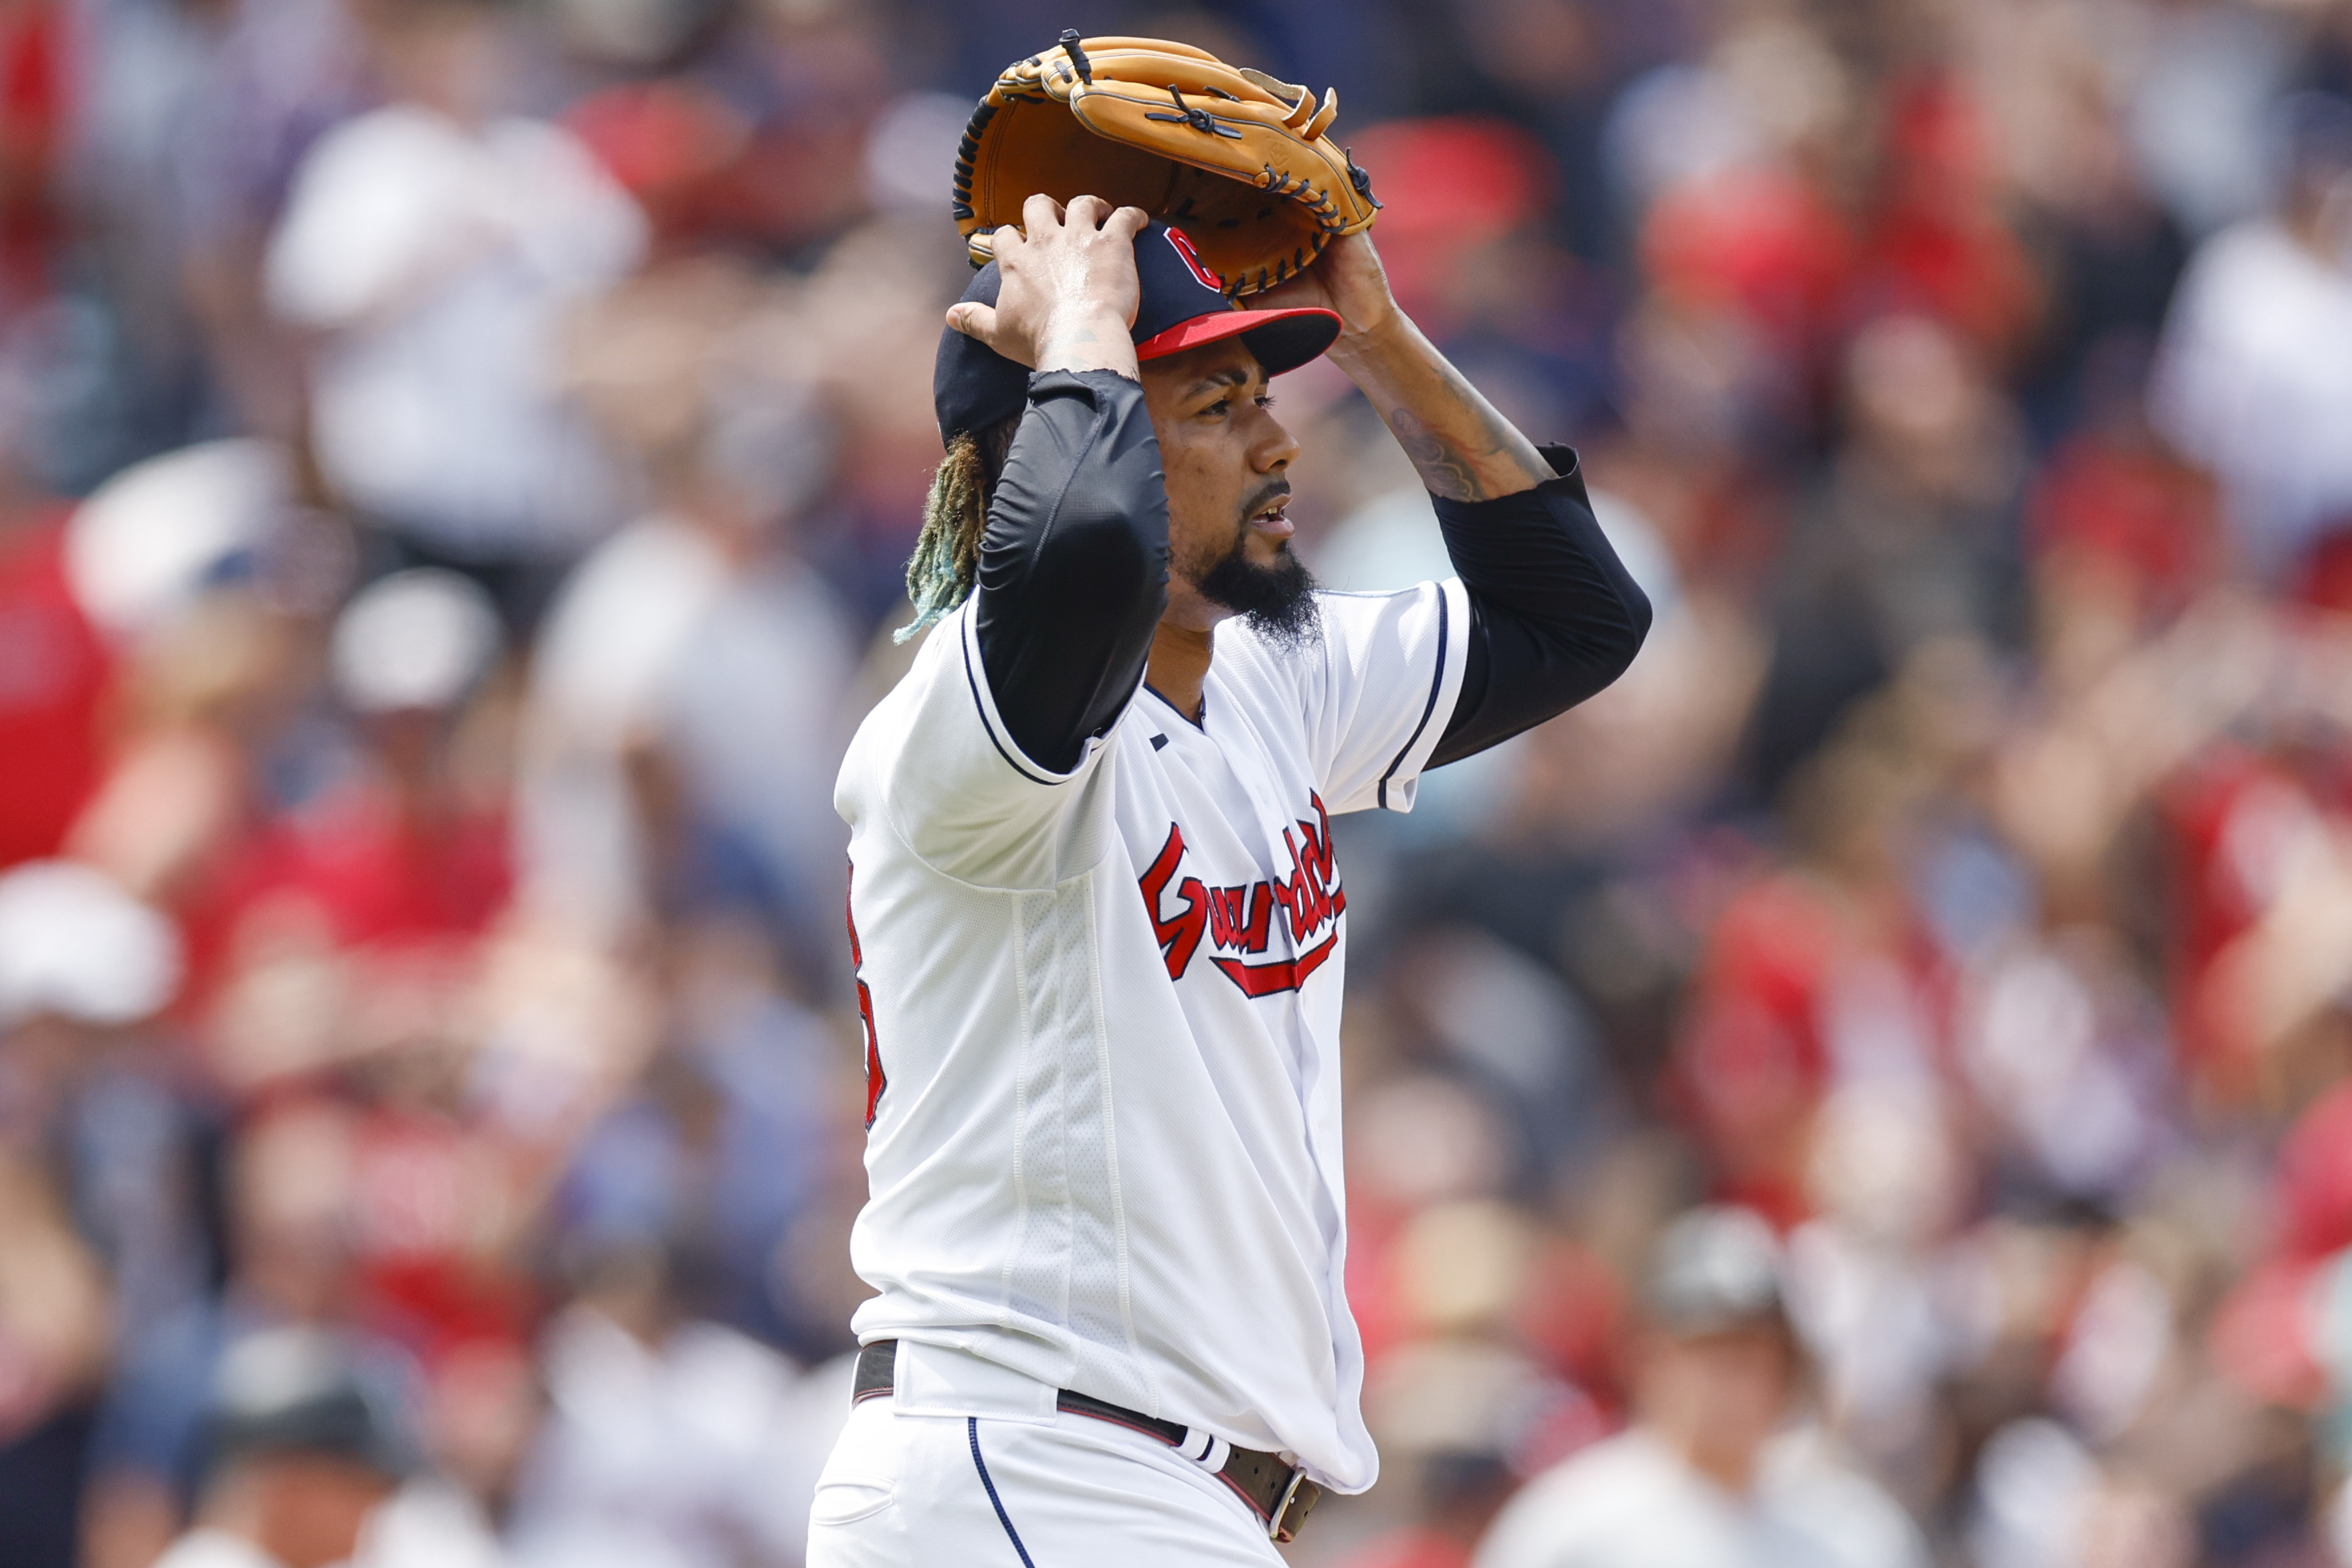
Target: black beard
(1277, 600)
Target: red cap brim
(1282, 340)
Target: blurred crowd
(1872, 1089)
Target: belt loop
(877, 1366)
(1205, 1449)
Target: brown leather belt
(1280, 1494)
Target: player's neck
(1179, 665)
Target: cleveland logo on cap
(1193, 259)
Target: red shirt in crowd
(53, 675)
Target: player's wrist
(1373, 336)
(1087, 336)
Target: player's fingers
(1089, 210)
(1126, 222)
(973, 320)
(1040, 211)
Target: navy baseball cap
(1716, 1268)
(303, 1390)
(973, 386)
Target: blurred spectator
(53, 675)
(1815, 978)
(2256, 377)
(1939, 246)
(186, 119)
(2196, 104)
(2111, 254)
(102, 1236)
(667, 1435)
(177, 559)
(433, 245)
(301, 1447)
(288, 1240)
(53, 1345)
(85, 969)
(1708, 1475)
(152, 539)
(33, 99)
(722, 1148)
(381, 887)
(2116, 514)
(1910, 537)
(682, 719)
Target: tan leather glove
(1242, 164)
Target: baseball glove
(1242, 164)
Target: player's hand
(1069, 293)
(1347, 278)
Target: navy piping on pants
(971, 1424)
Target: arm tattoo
(1466, 470)
(1064, 342)
(1444, 467)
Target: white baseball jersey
(1103, 1022)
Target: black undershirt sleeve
(1554, 615)
(1074, 565)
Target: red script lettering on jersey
(876, 1080)
(1238, 922)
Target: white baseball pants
(907, 1490)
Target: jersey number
(875, 1079)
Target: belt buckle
(1279, 1526)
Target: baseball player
(1098, 928)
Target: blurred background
(457, 461)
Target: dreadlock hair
(946, 562)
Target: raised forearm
(1464, 449)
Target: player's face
(1227, 461)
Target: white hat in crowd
(415, 640)
(75, 945)
(152, 537)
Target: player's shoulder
(929, 661)
(938, 713)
